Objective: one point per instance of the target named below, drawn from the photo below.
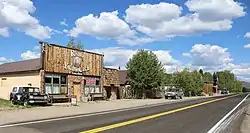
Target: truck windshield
(172, 90)
(30, 89)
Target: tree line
(146, 76)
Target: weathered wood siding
(57, 57)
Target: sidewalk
(15, 116)
(245, 126)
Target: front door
(77, 91)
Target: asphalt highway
(195, 116)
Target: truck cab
(26, 95)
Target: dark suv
(28, 95)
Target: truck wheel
(166, 97)
(12, 101)
(25, 102)
(180, 97)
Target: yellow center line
(150, 117)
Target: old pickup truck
(26, 95)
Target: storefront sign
(90, 81)
(75, 66)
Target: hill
(246, 84)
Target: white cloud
(183, 26)
(247, 35)
(2, 58)
(209, 55)
(242, 71)
(22, 19)
(116, 56)
(165, 57)
(165, 19)
(242, 78)
(147, 23)
(172, 68)
(57, 32)
(186, 54)
(216, 10)
(4, 32)
(37, 47)
(107, 25)
(247, 46)
(214, 58)
(151, 15)
(65, 31)
(64, 23)
(5, 60)
(30, 55)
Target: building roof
(70, 48)
(21, 66)
(122, 74)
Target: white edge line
(98, 113)
(228, 121)
(213, 129)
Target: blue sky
(208, 34)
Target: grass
(6, 105)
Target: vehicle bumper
(169, 95)
(38, 101)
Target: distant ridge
(246, 84)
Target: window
(92, 85)
(56, 80)
(63, 79)
(55, 84)
(29, 89)
(97, 86)
(97, 82)
(48, 80)
(14, 89)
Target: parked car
(224, 91)
(174, 93)
(26, 95)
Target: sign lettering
(75, 66)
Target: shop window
(48, 80)
(55, 84)
(63, 80)
(92, 85)
(56, 80)
(97, 82)
(97, 86)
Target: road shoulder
(245, 126)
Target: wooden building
(63, 72)
(210, 89)
(111, 84)
(124, 84)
